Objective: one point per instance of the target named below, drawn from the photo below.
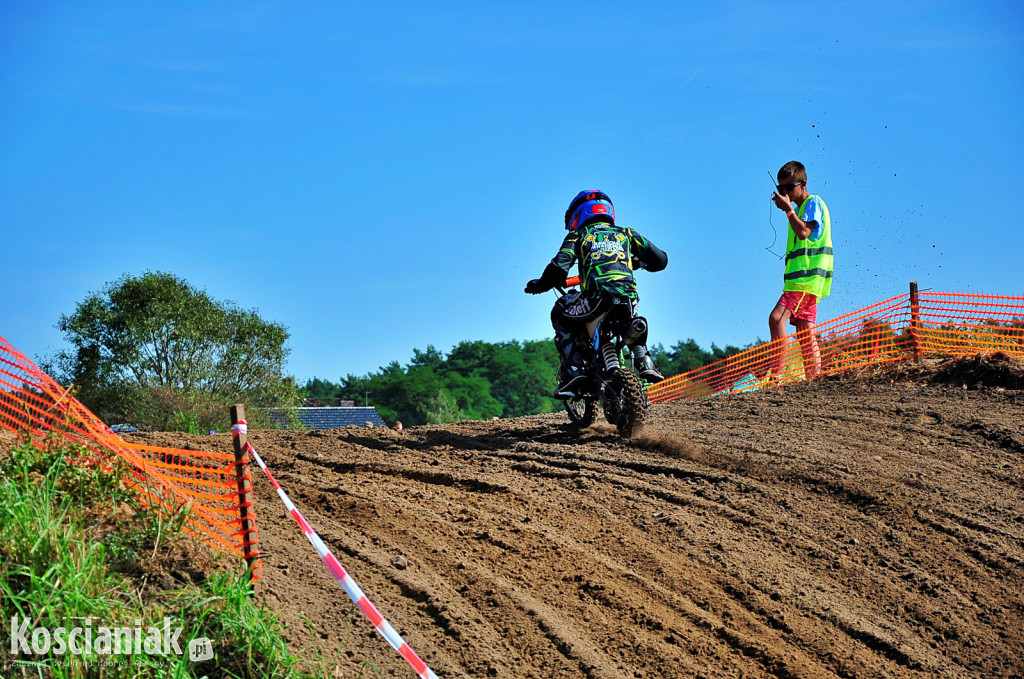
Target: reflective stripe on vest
(809, 262)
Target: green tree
(441, 408)
(431, 358)
(685, 356)
(320, 392)
(388, 391)
(522, 375)
(477, 380)
(680, 358)
(472, 396)
(717, 353)
(155, 351)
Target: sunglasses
(786, 188)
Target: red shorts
(804, 306)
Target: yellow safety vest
(809, 262)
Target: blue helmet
(587, 207)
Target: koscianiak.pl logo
(31, 643)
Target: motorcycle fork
(604, 351)
(610, 359)
(613, 360)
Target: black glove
(535, 287)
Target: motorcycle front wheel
(582, 411)
(627, 402)
(610, 402)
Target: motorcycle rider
(607, 254)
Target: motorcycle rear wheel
(582, 411)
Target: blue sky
(384, 176)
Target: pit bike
(612, 379)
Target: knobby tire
(582, 412)
(631, 409)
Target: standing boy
(808, 274)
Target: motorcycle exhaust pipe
(636, 329)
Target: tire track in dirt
(822, 530)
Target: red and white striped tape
(340, 574)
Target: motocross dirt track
(851, 527)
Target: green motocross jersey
(607, 255)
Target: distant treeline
(478, 380)
(685, 356)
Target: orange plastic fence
(165, 479)
(933, 324)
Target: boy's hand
(535, 287)
(782, 202)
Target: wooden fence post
(915, 323)
(246, 508)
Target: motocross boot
(571, 372)
(574, 379)
(645, 364)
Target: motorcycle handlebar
(572, 280)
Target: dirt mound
(995, 370)
(983, 370)
(848, 529)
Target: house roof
(334, 418)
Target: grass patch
(78, 550)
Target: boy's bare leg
(777, 325)
(809, 348)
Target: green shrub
(73, 542)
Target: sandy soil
(839, 528)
